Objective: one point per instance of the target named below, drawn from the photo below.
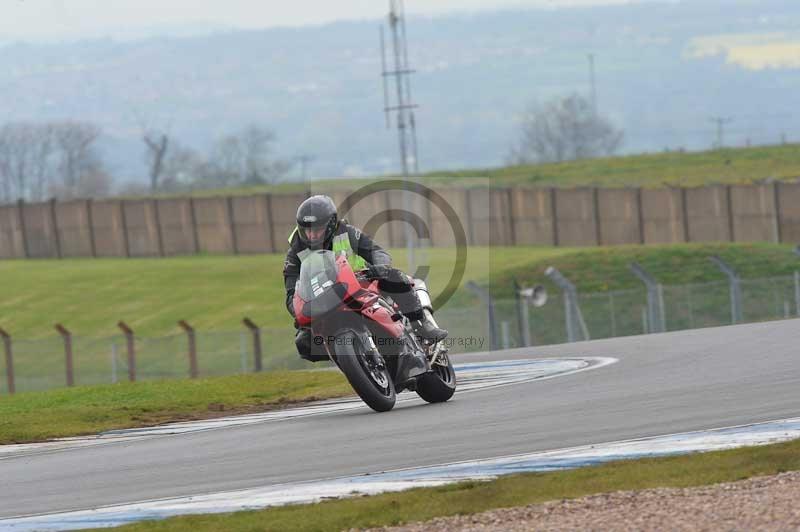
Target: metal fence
(43, 364)
(630, 312)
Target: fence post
(26, 252)
(67, 337)
(487, 300)
(256, 332)
(113, 363)
(523, 315)
(129, 340)
(797, 291)
(572, 310)
(193, 372)
(655, 299)
(736, 289)
(9, 361)
(506, 334)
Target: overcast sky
(75, 19)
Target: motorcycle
(362, 332)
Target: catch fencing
(629, 312)
(46, 363)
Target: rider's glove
(379, 271)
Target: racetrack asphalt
(662, 384)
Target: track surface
(662, 384)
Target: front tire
(369, 377)
(439, 384)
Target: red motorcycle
(363, 333)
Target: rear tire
(372, 384)
(439, 384)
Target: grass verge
(37, 416)
(473, 497)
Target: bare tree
(227, 159)
(246, 158)
(183, 168)
(157, 146)
(565, 129)
(26, 151)
(80, 171)
(75, 141)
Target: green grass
(473, 497)
(690, 169)
(89, 296)
(38, 416)
(741, 165)
(608, 268)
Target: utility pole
(304, 161)
(721, 123)
(593, 83)
(404, 108)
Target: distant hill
(663, 70)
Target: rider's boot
(427, 328)
(414, 302)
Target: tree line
(63, 160)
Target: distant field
(732, 165)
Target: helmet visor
(312, 236)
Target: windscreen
(318, 272)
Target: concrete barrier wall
(175, 217)
(575, 217)
(142, 229)
(789, 208)
(214, 230)
(11, 244)
(707, 210)
(488, 216)
(444, 224)
(753, 211)
(532, 216)
(74, 230)
(284, 210)
(110, 236)
(250, 224)
(40, 235)
(663, 216)
(620, 219)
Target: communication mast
(403, 106)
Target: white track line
(472, 377)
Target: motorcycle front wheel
(439, 384)
(366, 372)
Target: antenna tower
(403, 106)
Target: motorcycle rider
(319, 227)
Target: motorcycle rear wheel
(439, 384)
(369, 378)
